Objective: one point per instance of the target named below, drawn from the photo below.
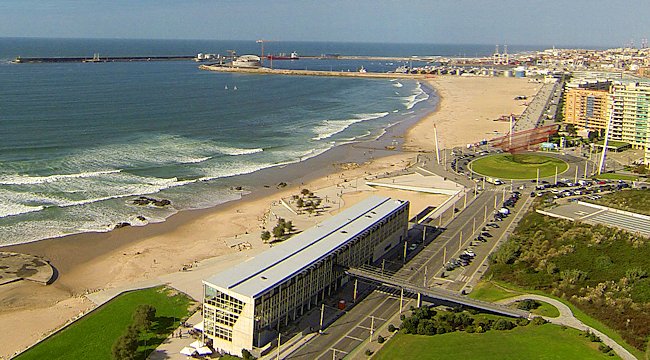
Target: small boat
(235, 88)
(226, 88)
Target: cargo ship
(283, 56)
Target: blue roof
(255, 276)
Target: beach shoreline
(90, 262)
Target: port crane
(262, 41)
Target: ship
(283, 56)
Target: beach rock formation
(144, 201)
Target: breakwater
(28, 60)
(263, 70)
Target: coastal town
(306, 200)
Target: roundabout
(518, 166)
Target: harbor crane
(262, 41)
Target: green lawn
(93, 336)
(614, 176)
(580, 315)
(531, 342)
(518, 166)
(488, 291)
(546, 309)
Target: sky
(598, 23)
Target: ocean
(80, 141)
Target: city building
(244, 306)
(586, 108)
(629, 115)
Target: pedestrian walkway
(566, 318)
(171, 348)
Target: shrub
(635, 274)
(479, 330)
(538, 320)
(391, 328)
(265, 236)
(528, 304)
(604, 348)
(470, 329)
(368, 352)
(380, 339)
(503, 324)
(246, 355)
(522, 322)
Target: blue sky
(524, 22)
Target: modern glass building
(245, 305)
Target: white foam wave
(12, 209)
(154, 151)
(59, 195)
(197, 160)
(33, 180)
(398, 84)
(329, 128)
(238, 151)
(417, 96)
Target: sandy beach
(91, 262)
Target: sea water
(80, 141)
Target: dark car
(486, 234)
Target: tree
(305, 192)
(300, 203)
(126, 346)
(266, 235)
(278, 231)
(503, 324)
(571, 130)
(288, 226)
(592, 136)
(144, 316)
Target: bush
(380, 339)
(368, 352)
(538, 320)
(391, 328)
(470, 329)
(528, 304)
(604, 348)
(265, 236)
(246, 355)
(522, 322)
(503, 324)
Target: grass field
(518, 166)
(614, 176)
(488, 291)
(93, 336)
(531, 342)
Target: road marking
(353, 338)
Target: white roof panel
(274, 266)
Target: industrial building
(244, 306)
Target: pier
(356, 74)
